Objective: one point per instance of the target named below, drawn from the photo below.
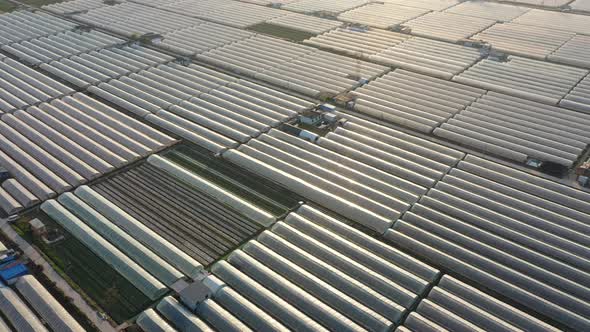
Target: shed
(194, 294)
(10, 274)
(38, 227)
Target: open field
(281, 32)
(39, 3)
(6, 6)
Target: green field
(116, 296)
(39, 3)
(281, 32)
(6, 6)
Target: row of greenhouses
(61, 45)
(161, 195)
(292, 66)
(41, 309)
(130, 19)
(140, 255)
(208, 108)
(91, 68)
(521, 236)
(412, 100)
(453, 304)
(318, 273)
(368, 173)
(531, 79)
(520, 130)
(416, 54)
(22, 86)
(54, 147)
(579, 97)
(321, 274)
(23, 25)
(382, 15)
(398, 50)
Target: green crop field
(281, 32)
(6, 6)
(39, 3)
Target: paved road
(48, 270)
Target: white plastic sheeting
(130, 270)
(318, 270)
(9, 204)
(447, 26)
(305, 23)
(203, 106)
(21, 86)
(132, 20)
(453, 304)
(21, 194)
(269, 2)
(383, 16)
(378, 176)
(45, 49)
(490, 10)
(357, 42)
(183, 319)
(574, 52)
(332, 7)
(431, 57)
(21, 25)
(220, 318)
(74, 6)
(52, 312)
(123, 241)
(150, 321)
(142, 233)
(437, 5)
(532, 79)
(17, 312)
(201, 38)
(556, 20)
(211, 189)
(418, 54)
(542, 3)
(580, 5)
(232, 13)
(159, 3)
(412, 100)
(99, 66)
(519, 129)
(516, 234)
(524, 40)
(193, 7)
(59, 145)
(237, 307)
(293, 66)
(4, 325)
(579, 98)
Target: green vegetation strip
(281, 32)
(6, 6)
